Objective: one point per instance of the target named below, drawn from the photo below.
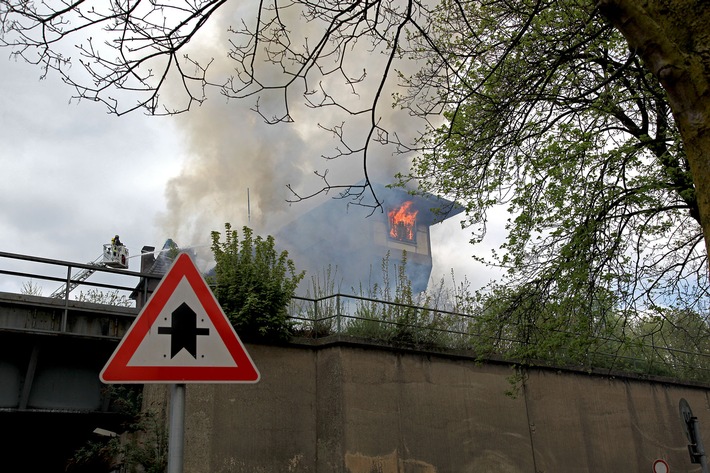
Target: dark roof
(432, 209)
(164, 259)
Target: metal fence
(430, 328)
(64, 280)
(486, 338)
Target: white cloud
(72, 175)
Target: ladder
(112, 257)
(80, 277)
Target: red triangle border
(117, 370)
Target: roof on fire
(431, 209)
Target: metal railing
(486, 338)
(34, 275)
(430, 328)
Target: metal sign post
(176, 433)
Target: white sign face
(660, 466)
(158, 345)
(181, 335)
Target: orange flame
(402, 221)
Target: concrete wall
(343, 407)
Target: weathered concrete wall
(347, 408)
(593, 423)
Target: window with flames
(403, 222)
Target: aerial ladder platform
(113, 256)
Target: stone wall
(342, 407)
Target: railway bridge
(51, 352)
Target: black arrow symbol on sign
(183, 332)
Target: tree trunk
(672, 37)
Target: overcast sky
(73, 176)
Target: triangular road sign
(181, 336)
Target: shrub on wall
(254, 284)
(141, 446)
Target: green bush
(318, 317)
(141, 447)
(391, 311)
(254, 284)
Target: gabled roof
(164, 259)
(431, 209)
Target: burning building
(353, 241)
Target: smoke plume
(236, 167)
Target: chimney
(147, 262)
(147, 258)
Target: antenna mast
(248, 208)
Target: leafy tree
(676, 342)
(554, 119)
(571, 134)
(525, 324)
(254, 284)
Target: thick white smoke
(231, 153)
